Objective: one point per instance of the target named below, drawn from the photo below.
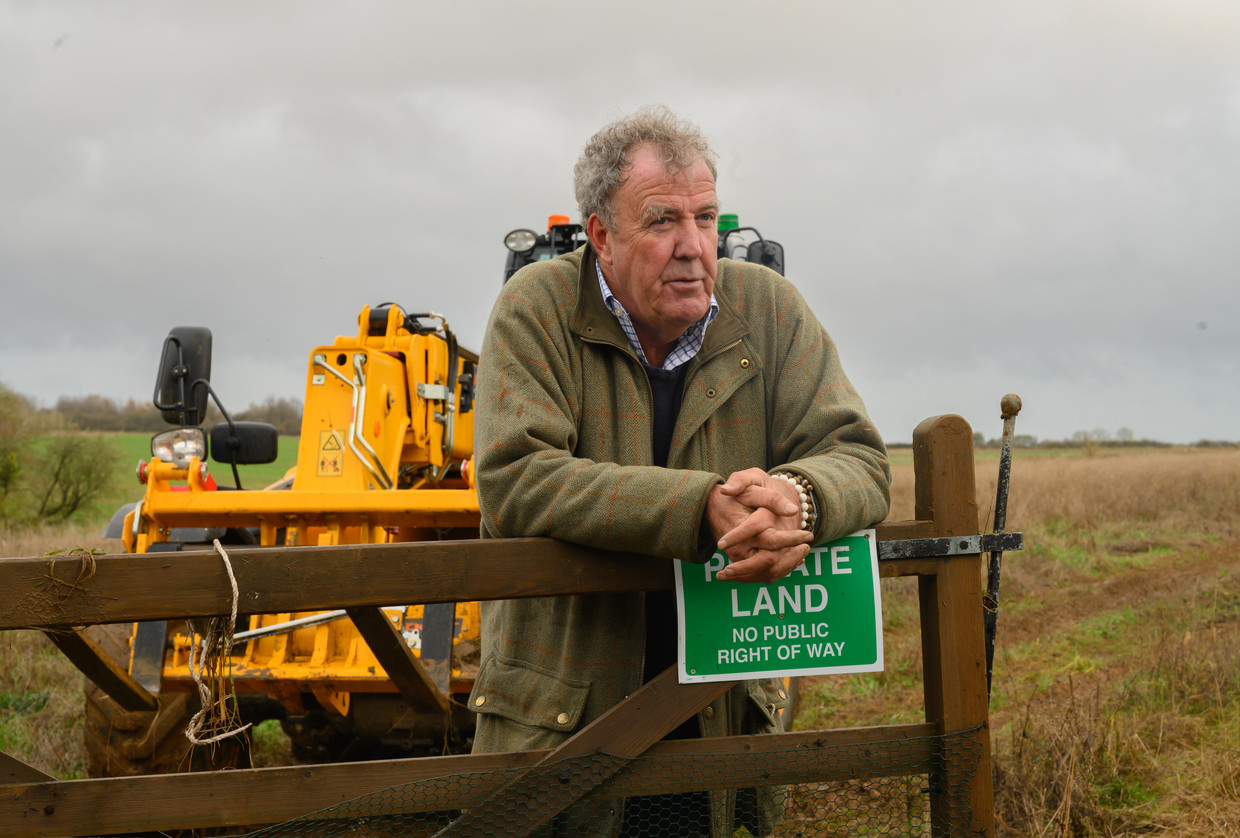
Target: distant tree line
(100, 413)
(1098, 437)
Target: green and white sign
(825, 616)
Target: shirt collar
(686, 348)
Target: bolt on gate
(821, 782)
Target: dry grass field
(1116, 706)
(40, 691)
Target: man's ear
(600, 238)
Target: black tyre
(315, 738)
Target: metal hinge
(961, 545)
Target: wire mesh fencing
(910, 787)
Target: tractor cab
(525, 246)
(743, 244)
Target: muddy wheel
(315, 739)
(123, 743)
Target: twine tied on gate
(64, 590)
(209, 670)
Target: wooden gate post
(953, 651)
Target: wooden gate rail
(273, 580)
(230, 798)
(40, 593)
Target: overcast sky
(976, 198)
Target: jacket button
(562, 719)
(710, 394)
(744, 363)
(709, 712)
(480, 700)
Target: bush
(68, 473)
(49, 479)
(15, 438)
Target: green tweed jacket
(564, 449)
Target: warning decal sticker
(330, 454)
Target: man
(640, 395)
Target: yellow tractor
(384, 456)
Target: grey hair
(605, 161)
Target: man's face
(660, 260)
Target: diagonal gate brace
(407, 673)
(98, 666)
(613, 740)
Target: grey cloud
(975, 199)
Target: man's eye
(658, 221)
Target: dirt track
(1043, 603)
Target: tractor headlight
(180, 446)
(520, 241)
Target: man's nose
(688, 240)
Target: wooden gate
(133, 587)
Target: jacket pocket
(766, 698)
(516, 690)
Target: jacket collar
(592, 321)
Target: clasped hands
(756, 521)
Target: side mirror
(769, 253)
(244, 443)
(184, 373)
